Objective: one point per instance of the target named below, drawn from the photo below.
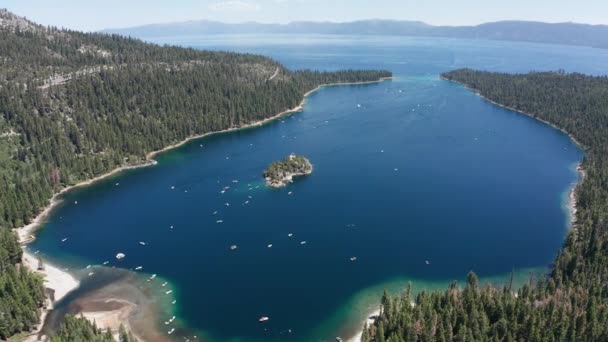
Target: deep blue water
(423, 171)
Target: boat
(358, 106)
(303, 243)
(64, 239)
(219, 221)
(270, 246)
(427, 262)
(120, 256)
(233, 247)
(88, 266)
(153, 276)
(290, 234)
(138, 268)
(106, 262)
(171, 331)
(172, 187)
(172, 319)
(264, 319)
(91, 273)
(353, 258)
(227, 204)
(289, 193)
(142, 243)
(169, 292)
(173, 302)
(339, 339)
(164, 284)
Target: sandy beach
(63, 282)
(54, 278)
(369, 321)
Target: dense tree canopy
(77, 105)
(572, 303)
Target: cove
(423, 170)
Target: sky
(91, 15)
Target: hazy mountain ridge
(525, 31)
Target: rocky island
(280, 173)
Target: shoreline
(572, 197)
(369, 320)
(62, 282)
(26, 231)
(576, 142)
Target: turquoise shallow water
(423, 170)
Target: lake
(419, 179)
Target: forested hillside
(572, 303)
(77, 105)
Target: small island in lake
(280, 173)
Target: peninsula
(280, 173)
(110, 101)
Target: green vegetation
(21, 292)
(75, 105)
(279, 173)
(79, 329)
(572, 303)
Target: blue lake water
(423, 170)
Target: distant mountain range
(524, 31)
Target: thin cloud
(234, 6)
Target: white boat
(91, 273)
(75, 202)
(289, 193)
(142, 243)
(353, 258)
(171, 227)
(64, 239)
(88, 266)
(138, 268)
(117, 184)
(227, 204)
(219, 221)
(270, 246)
(303, 243)
(169, 292)
(164, 284)
(264, 319)
(358, 106)
(427, 262)
(233, 247)
(120, 256)
(173, 302)
(153, 276)
(172, 187)
(172, 319)
(290, 234)
(106, 262)
(171, 331)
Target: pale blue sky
(99, 14)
